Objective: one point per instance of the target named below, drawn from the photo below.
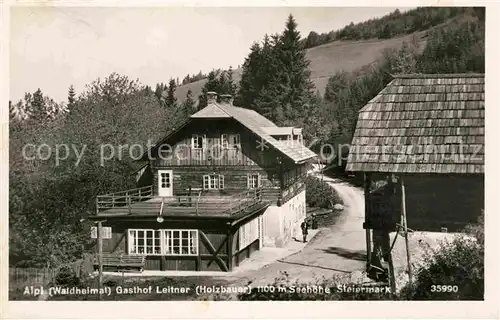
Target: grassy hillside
(328, 59)
(343, 55)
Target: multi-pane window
(165, 179)
(197, 141)
(213, 181)
(144, 241)
(162, 242)
(180, 242)
(253, 181)
(234, 141)
(224, 140)
(230, 141)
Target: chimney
(211, 97)
(227, 99)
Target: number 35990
(444, 288)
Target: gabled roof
(256, 123)
(210, 111)
(422, 124)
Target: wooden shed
(428, 130)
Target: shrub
(459, 265)
(67, 277)
(320, 194)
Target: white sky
(52, 48)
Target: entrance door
(165, 183)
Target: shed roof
(422, 123)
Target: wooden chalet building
(427, 132)
(217, 188)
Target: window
(162, 242)
(253, 181)
(224, 139)
(213, 181)
(144, 241)
(197, 142)
(234, 141)
(180, 242)
(165, 179)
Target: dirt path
(336, 249)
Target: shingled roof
(422, 124)
(257, 124)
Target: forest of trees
(388, 26)
(49, 201)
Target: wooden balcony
(201, 157)
(141, 202)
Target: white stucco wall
(282, 224)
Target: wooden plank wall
(235, 179)
(435, 201)
(215, 233)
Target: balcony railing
(186, 156)
(141, 202)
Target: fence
(20, 277)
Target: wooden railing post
(129, 205)
(239, 202)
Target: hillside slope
(344, 55)
(328, 59)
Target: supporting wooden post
(229, 250)
(367, 183)
(99, 245)
(405, 228)
(392, 277)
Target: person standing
(304, 226)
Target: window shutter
(249, 177)
(193, 137)
(221, 181)
(258, 180)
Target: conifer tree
(212, 84)
(171, 100)
(295, 74)
(71, 96)
(189, 104)
(223, 85)
(249, 86)
(38, 110)
(230, 80)
(275, 80)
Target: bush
(320, 194)
(458, 265)
(67, 277)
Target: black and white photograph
(185, 153)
